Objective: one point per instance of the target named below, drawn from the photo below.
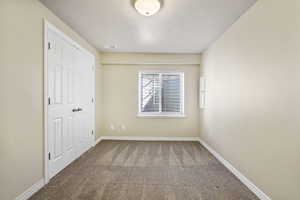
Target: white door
(68, 111)
(85, 101)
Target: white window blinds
(161, 93)
(170, 93)
(150, 97)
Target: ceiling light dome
(147, 7)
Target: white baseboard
(97, 141)
(148, 138)
(258, 192)
(30, 191)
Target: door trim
(49, 26)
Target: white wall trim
(45, 107)
(31, 191)
(149, 63)
(258, 192)
(196, 139)
(98, 140)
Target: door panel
(58, 84)
(58, 138)
(55, 127)
(69, 134)
(70, 83)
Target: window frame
(161, 114)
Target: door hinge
(92, 100)
(49, 101)
(49, 156)
(49, 45)
(92, 132)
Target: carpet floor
(133, 170)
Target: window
(161, 94)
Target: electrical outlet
(122, 127)
(112, 127)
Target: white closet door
(61, 102)
(70, 109)
(84, 97)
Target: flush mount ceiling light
(147, 7)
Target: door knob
(77, 109)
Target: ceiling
(181, 26)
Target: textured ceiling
(181, 26)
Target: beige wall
(99, 126)
(253, 113)
(21, 92)
(121, 96)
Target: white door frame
(47, 26)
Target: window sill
(142, 115)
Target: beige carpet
(129, 170)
